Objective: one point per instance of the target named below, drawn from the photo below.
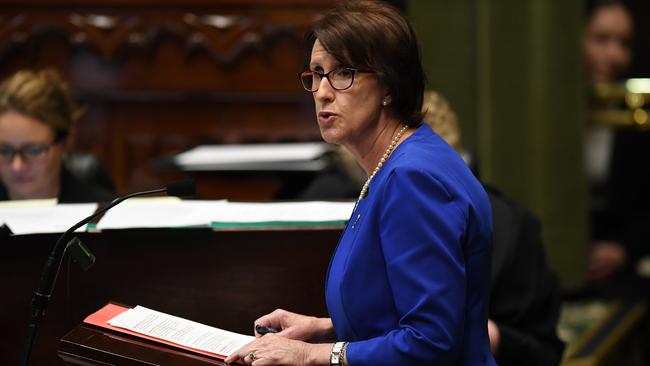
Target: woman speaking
(408, 282)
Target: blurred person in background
(617, 161)
(607, 40)
(37, 116)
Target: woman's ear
(388, 98)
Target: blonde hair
(441, 118)
(41, 95)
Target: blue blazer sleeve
(422, 230)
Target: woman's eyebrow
(315, 67)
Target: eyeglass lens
(28, 153)
(339, 79)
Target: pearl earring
(384, 103)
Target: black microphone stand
(51, 271)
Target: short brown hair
(367, 34)
(42, 95)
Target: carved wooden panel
(157, 77)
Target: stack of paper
(171, 212)
(150, 213)
(302, 156)
(165, 212)
(169, 329)
(290, 213)
(40, 217)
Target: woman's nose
(617, 52)
(325, 90)
(18, 162)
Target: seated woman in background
(37, 114)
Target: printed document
(180, 331)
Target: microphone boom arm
(52, 267)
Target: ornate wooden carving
(224, 38)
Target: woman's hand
(296, 326)
(495, 336)
(273, 349)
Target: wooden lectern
(224, 279)
(90, 345)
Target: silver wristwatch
(336, 357)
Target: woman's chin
(330, 136)
(27, 193)
(329, 140)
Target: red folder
(101, 317)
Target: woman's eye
(343, 73)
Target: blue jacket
(409, 281)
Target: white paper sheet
(44, 217)
(311, 211)
(181, 331)
(24, 203)
(171, 212)
(252, 153)
(165, 212)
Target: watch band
(336, 358)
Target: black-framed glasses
(340, 78)
(28, 153)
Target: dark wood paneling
(159, 79)
(225, 279)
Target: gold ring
(252, 356)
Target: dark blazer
(622, 214)
(525, 295)
(629, 193)
(73, 190)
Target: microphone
(182, 188)
(53, 264)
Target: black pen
(262, 329)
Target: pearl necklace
(389, 150)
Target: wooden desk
(246, 181)
(221, 278)
(88, 345)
